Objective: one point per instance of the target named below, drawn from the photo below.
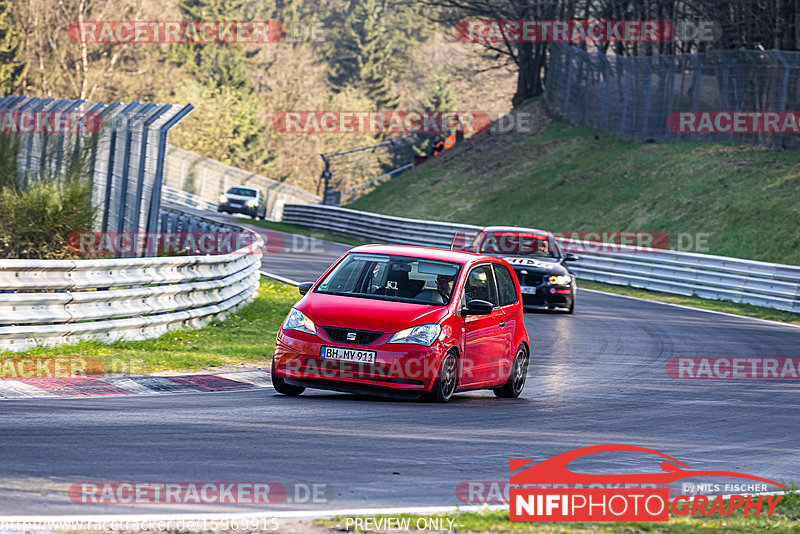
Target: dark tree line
(750, 24)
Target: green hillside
(566, 178)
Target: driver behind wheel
(440, 295)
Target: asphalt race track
(597, 377)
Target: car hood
(535, 265)
(367, 314)
(238, 197)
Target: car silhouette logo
(351, 336)
(554, 470)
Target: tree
(231, 129)
(373, 47)
(442, 97)
(13, 65)
(528, 57)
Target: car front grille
(362, 337)
(532, 279)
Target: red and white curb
(86, 386)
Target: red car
(406, 322)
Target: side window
(505, 285)
(480, 285)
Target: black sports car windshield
(518, 244)
(395, 278)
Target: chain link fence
(647, 97)
(120, 147)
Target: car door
(483, 338)
(507, 299)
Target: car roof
(441, 254)
(515, 229)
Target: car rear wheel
(446, 380)
(516, 378)
(282, 387)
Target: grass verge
(747, 310)
(785, 519)
(308, 232)
(245, 337)
(745, 200)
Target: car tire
(282, 387)
(446, 380)
(516, 378)
(571, 308)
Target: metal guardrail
(683, 273)
(183, 198)
(48, 302)
(374, 227)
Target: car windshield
(389, 277)
(242, 192)
(518, 244)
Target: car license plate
(348, 355)
(530, 290)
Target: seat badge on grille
(351, 336)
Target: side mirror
(305, 287)
(477, 307)
(571, 257)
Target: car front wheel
(516, 378)
(446, 380)
(282, 387)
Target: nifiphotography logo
(623, 497)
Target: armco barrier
(711, 277)
(47, 302)
(374, 227)
(182, 198)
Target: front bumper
(547, 295)
(236, 208)
(397, 368)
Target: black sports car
(538, 261)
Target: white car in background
(246, 200)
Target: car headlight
(223, 199)
(296, 320)
(252, 203)
(560, 280)
(424, 334)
